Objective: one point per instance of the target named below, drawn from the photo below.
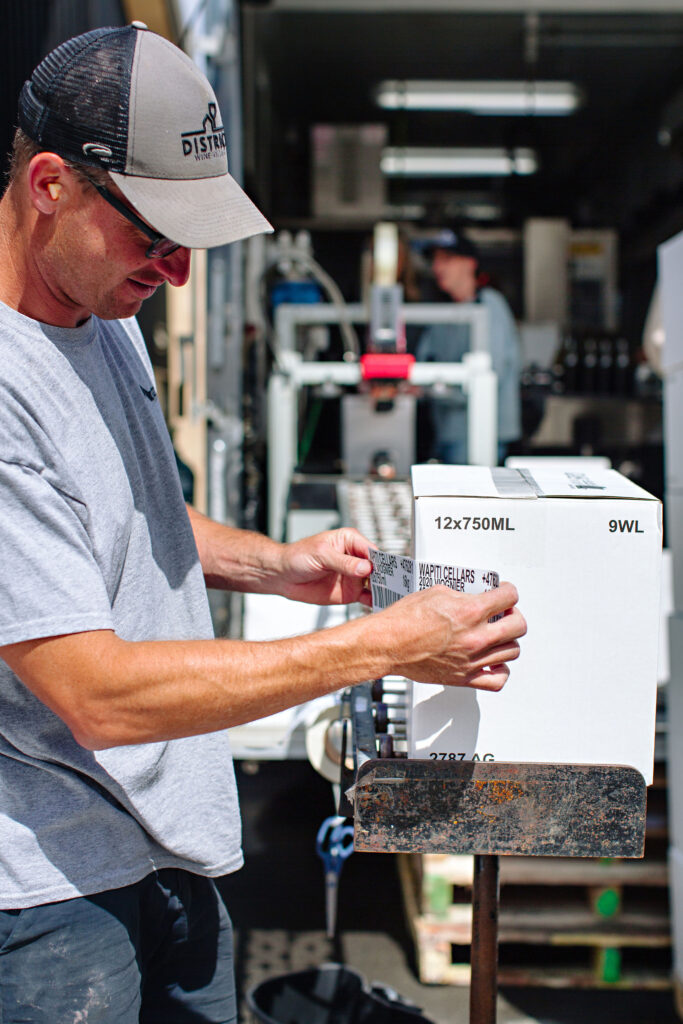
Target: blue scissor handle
(334, 842)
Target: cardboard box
(584, 552)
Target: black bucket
(330, 994)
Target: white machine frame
(473, 374)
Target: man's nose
(176, 267)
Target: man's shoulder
(496, 303)
(491, 296)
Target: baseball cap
(130, 102)
(451, 240)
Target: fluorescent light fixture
(456, 163)
(496, 98)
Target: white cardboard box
(584, 552)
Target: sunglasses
(160, 247)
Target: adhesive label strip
(395, 576)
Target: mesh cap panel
(79, 96)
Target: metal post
(484, 949)
(482, 410)
(282, 444)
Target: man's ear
(49, 182)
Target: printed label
(451, 755)
(496, 523)
(395, 576)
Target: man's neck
(11, 258)
(22, 285)
(466, 292)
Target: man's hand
(328, 568)
(440, 636)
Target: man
(117, 796)
(455, 263)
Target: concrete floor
(277, 905)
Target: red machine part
(386, 365)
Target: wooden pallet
(563, 922)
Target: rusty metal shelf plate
(413, 806)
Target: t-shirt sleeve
(50, 582)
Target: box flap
(435, 480)
(593, 483)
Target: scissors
(333, 844)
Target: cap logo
(208, 141)
(96, 149)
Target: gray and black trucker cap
(129, 101)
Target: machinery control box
(584, 551)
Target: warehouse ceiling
(308, 63)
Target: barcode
(382, 597)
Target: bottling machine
(377, 386)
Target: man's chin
(118, 310)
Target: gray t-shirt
(94, 535)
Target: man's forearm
(328, 568)
(235, 559)
(111, 692)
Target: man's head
(119, 168)
(128, 102)
(455, 261)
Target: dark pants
(156, 952)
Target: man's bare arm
(111, 692)
(329, 568)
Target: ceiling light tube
(493, 98)
(446, 163)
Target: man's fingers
(511, 627)
(349, 565)
(332, 560)
(354, 543)
(498, 600)
(497, 655)
(493, 678)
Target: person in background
(455, 265)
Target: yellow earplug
(54, 188)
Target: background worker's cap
(129, 101)
(450, 240)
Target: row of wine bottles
(593, 365)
